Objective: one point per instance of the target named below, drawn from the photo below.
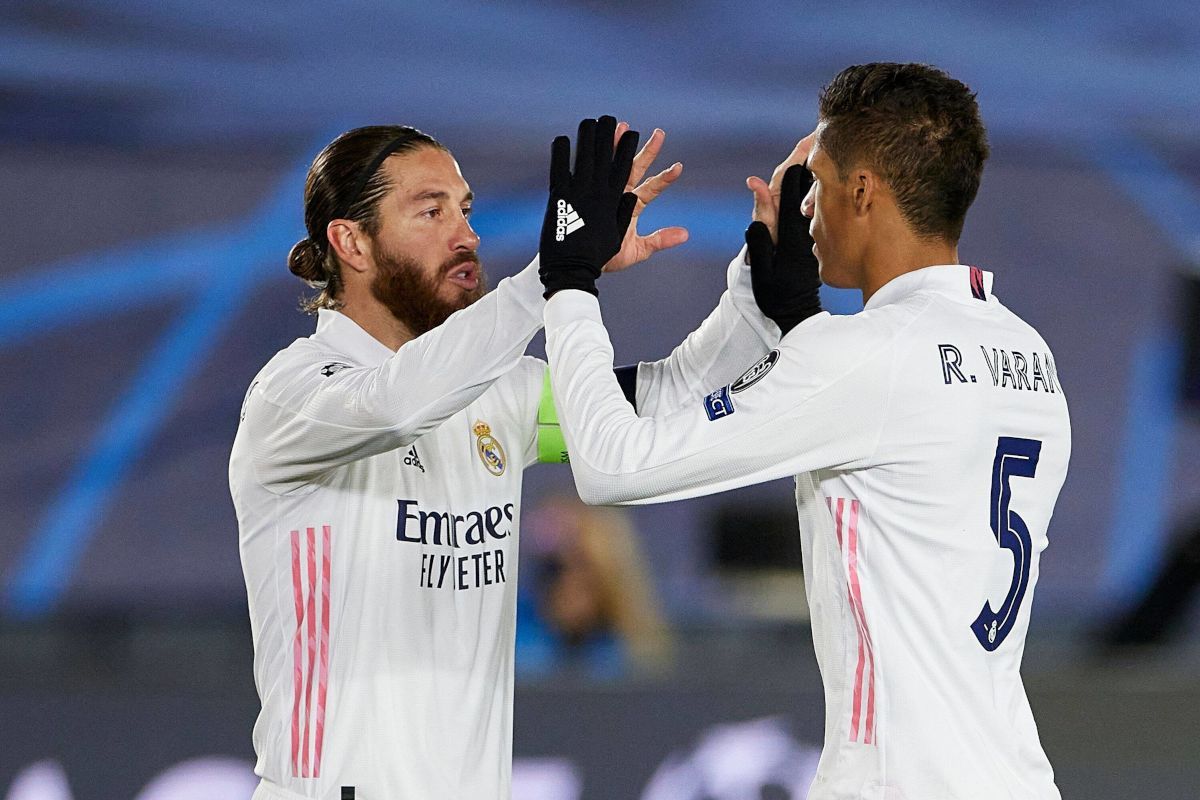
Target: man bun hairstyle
(915, 127)
(345, 182)
(307, 262)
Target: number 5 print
(1014, 458)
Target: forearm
(814, 406)
(308, 418)
(619, 457)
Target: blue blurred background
(152, 159)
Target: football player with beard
(376, 472)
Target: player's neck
(374, 318)
(901, 255)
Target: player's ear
(350, 243)
(866, 186)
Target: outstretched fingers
(585, 150)
(606, 128)
(646, 157)
(665, 238)
(560, 163)
(759, 247)
(765, 209)
(793, 225)
(623, 160)
(653, 187)
(799, 155)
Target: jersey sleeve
(306, 419)
(819, 405)
(730, 338)
(531, 378)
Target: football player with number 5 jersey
(376, 472)
(928, 436)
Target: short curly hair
(918, 129)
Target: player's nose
(465, 237)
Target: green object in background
(552, 447)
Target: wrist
(803, 307)
(569, 276)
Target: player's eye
(431, 212)
(466, 212)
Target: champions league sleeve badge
(756, 373)
(489, 449)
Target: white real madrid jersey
(378, 498)
(929, 438)
(378, 501)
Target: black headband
(370, 170)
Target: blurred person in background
(376, 472)
(587, 605)
(928, 437)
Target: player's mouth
(465, 275)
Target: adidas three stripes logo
(568, 221)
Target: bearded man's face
(423, 296)
(426, 264)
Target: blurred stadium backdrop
(152, 157)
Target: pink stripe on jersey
(311, 615)
(323, 675)
(297, 652)
(847, 537)
(856, 588)
(856, 708)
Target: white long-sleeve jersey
(929, 438)
(378, 501)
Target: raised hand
(766, 195)
(785, 277)
(589, 210)
(636, 248)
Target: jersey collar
(344, 335)
(957, 281)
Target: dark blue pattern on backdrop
(1098, 103)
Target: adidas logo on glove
(568, 221)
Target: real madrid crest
(490, 451)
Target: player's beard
(418, 299)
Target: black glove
(589, 211)
(785, 277)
